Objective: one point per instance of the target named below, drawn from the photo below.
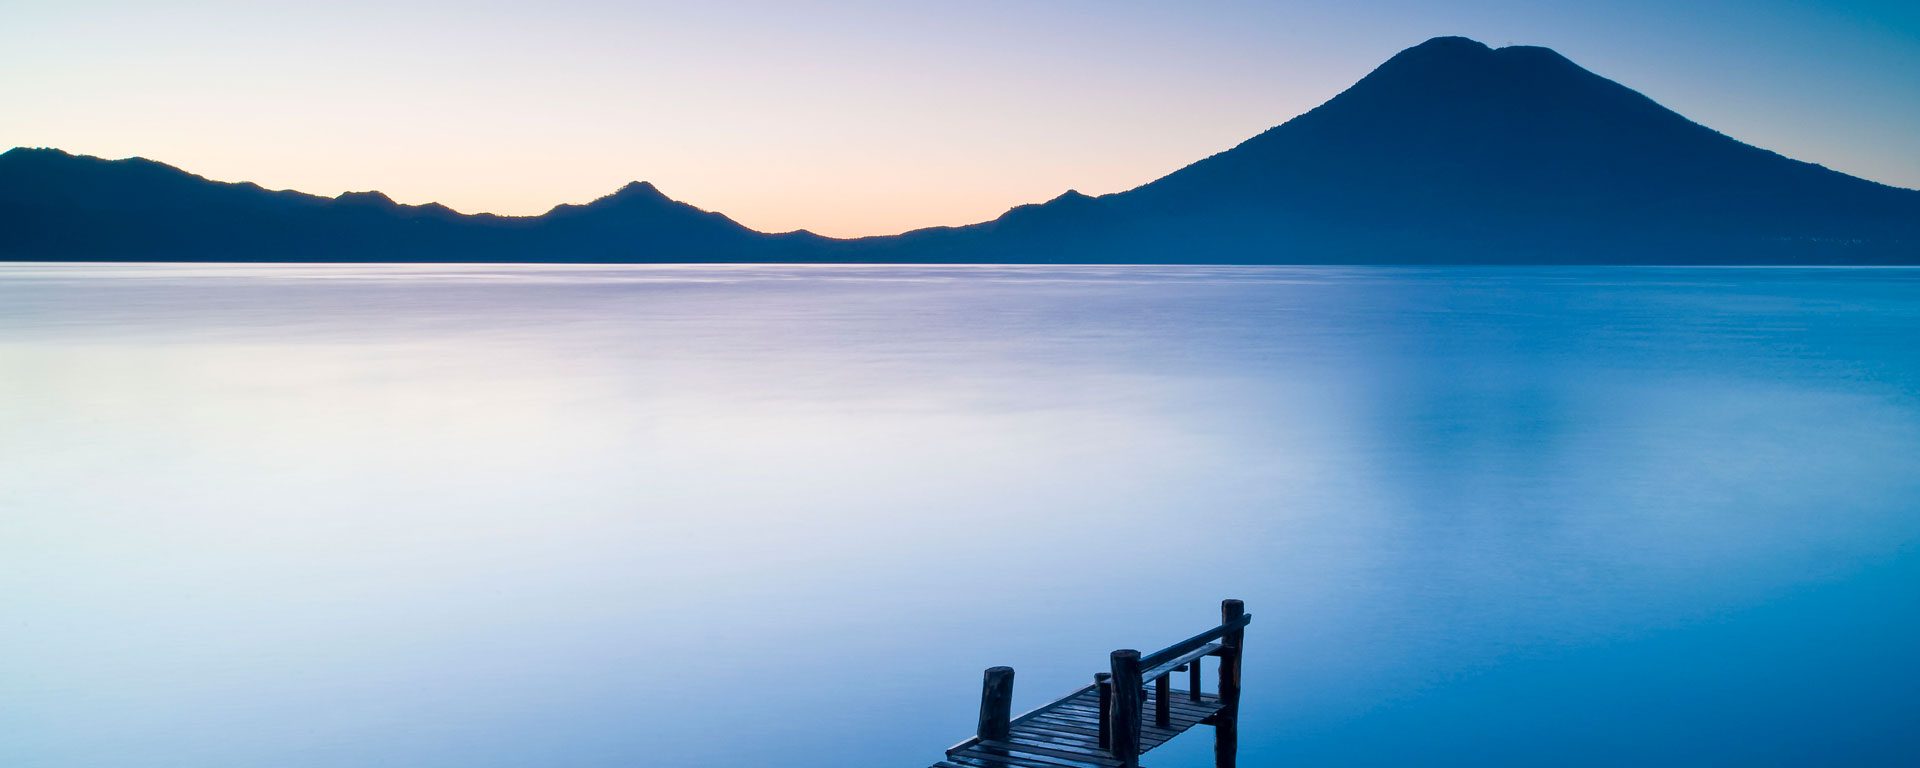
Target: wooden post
(1226, 725)
(1124, 725)
(1231, 644)
(996, 704)
(1103, 685)
(1162, 705)
(1193, 681)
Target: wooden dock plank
(994, 749)
(1067, 732)
(970, 760)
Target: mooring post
(1226, 723)
(1103, 685)
(1231, 645)
(996, 704)
(1124, 724)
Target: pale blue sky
(864, 117)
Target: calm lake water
(467, 516)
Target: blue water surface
(535, 516)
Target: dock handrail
(1183, 647)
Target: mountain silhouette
(1455, 152)
(57, 206)
(1450, 152)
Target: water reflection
(711, 516)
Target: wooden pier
(1126, 712)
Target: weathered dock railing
(1112, 722)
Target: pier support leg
(1162, 705)
(1226, 722)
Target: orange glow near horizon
(851, 118)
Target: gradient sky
(855, 118)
